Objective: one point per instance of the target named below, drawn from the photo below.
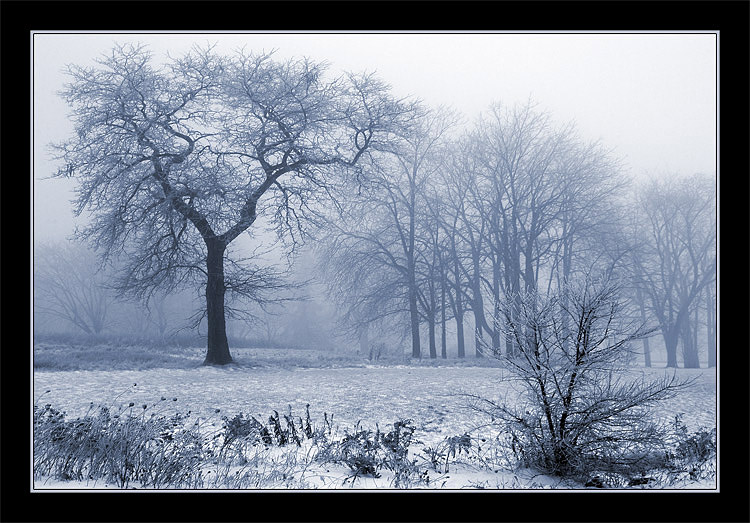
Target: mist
(650, 99)
(492, 256)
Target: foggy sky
(649, 97)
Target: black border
(19, 18)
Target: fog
(375, 261)
(650, 99)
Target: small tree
(582, 412)
(69, 285)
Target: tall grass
(144, 446)
(52, 355)
(107, 357)
(121, 447)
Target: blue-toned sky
(649, 97)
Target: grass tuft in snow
(120, 446)
(141, 446)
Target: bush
(450, 447)
(581, 414)
(367, 453)
(241, 433)
(694, 454)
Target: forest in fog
(281, 274)
(364, 223)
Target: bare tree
(458, 235)
(366, 285)
(169, 314)
(678, 260)
(533, 192)
(431, 272)
(177, 160)
(466, 230)
(69, 284)
(710, 297)
(380, 226)
(581, 412)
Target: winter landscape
(375, 261)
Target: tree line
(457, 225)
(418, 219)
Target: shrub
(449, 448)
(367, 453)
(581, 414)
(693, 454)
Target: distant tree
(442, 246)
(366, 288)
(677, 260)
(69, 284)
(379, 228)
(168, 314)
(158, 315)
(176, 160)
(522, 162)
(456, 232)
(430, 268)
(466, 230)
(535, 196)
(710, 297)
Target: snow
(430, 396)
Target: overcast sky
(650, 97)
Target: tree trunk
(565, 319)
(689, 350)
(431, 321)
(671, 337)
(416, 351)
(646, 348)
(478, 350)
(496, 307)
(364, 340)
(459, 303)
(443, 334)
(529, 278)
(218, 346)
(431, 333)
(567, 263)
(512, 347)
(710, 328)
(460, 342)
(646, 352)
(512, 285)
(478, 308)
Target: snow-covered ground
(430, 396)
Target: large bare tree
(177, 158)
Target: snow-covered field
(430, 396)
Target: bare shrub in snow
(581, 414)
